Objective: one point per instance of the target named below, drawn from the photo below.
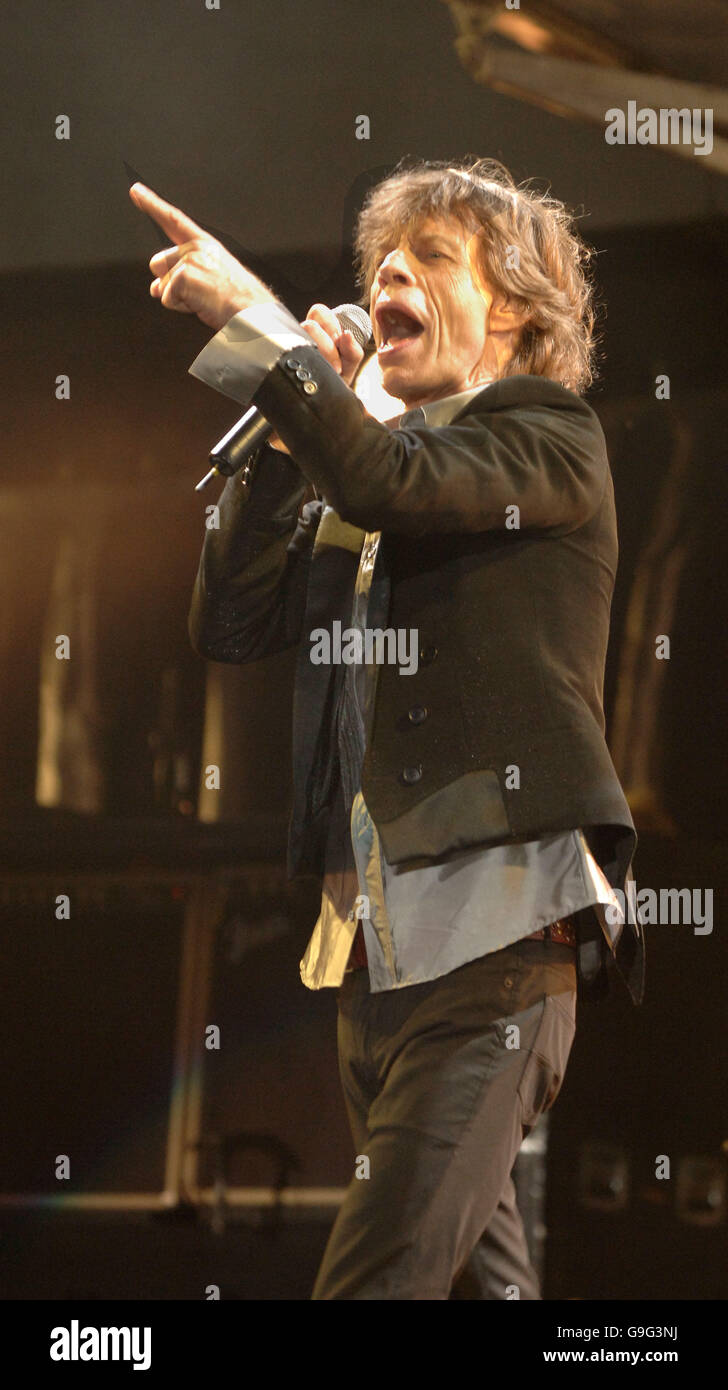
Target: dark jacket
(513, 623)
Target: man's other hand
(197, 275)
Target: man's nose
(395, 268)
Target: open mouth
(397, 328)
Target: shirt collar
(437, 412)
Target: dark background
(246, 119)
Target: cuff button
(309, 387)
(418, 714)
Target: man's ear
(505, 316)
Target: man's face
(429, 308)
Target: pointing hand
(196, 275)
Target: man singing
(460, 808)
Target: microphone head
(355, 320)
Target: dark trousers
(442, 1082)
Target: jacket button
(412, 774)
(309, 387)
(292, 362)
(418, 714)
(428, 653)
(303, 375)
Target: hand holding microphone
(342, 347)
(341, 336)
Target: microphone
(252, 430)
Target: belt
(358, 953)
(562, 931)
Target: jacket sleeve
(524, 441)
(250, 592)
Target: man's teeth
(396, 326)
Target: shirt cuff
(604, 894)
(242, 354)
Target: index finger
(175, 223)
(321, 313)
